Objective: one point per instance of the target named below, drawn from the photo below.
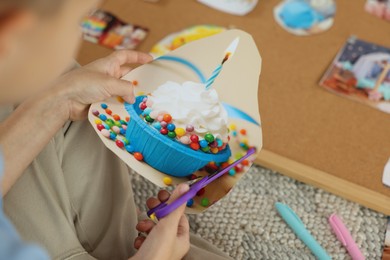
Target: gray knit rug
(246, 225)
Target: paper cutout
(361, 71)
(107, 30)
(305, 17)
(178, 39)
(378, 8)
(386, 248)
(235, 7)
(386, 175)
(238, 90)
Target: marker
(345, 237)
(302, 233)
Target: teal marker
(299, 229)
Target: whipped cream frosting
(191, 104)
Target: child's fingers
(122, 88)
(124, 70)
(152, 203)
(145, 226)
(163, 195)
(138, 242)
(128, 56)
(173, 218)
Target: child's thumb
(174, 217)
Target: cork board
(308, 133)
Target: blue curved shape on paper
(186, 63)
(232, 111)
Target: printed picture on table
(379, 8)
(105, 29)
(235, 7)
(361, 71)
(305, 17)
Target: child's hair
(40, 6)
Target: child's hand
(98, 81)
(169, 238)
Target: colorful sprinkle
(116, 117)
(167, 118)
(171, 134)
(201, 192)
(119, 143)
(203, 143)
(167, 181)
(138, 156)
(135, 83)
(106, 133)
(149, 119)
(163, 124)
(194, 146)
(209, 137)
(103, 117)
(205, 149)
(189, 128)
(185, 140)
(112, 136)
(164, 131)
(104, 106)
(108, 111)
(129, 148)
(205, 202)
(194, 138)
(232, 172)
(95, 112)
(179, 131)
(116, 129)
(190, 202)
(214, 150)
(243, 131)
(100, 127)
(98, 121)
(157, 125)
(171, 127)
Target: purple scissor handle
(164, 209)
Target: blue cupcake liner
(161, 152)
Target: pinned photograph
(305, 17)
(235, 7)
(379, 8)
(107, 30)
(361, 71)
(178, 39)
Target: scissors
(165, 209)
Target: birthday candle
(228, 54)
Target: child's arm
(26, 132)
